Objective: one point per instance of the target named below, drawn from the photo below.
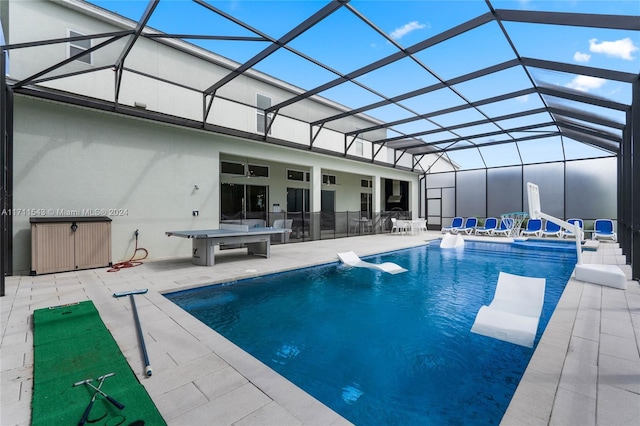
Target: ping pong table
(256, 239)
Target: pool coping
(246, 391)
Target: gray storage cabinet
(60, 244)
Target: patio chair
(420, 225)
(603, 230)
(490, 224)
(469, 226)
(514, 313)
(456, 224)
(551, 229)
(534, 227)
(567, 233)
(506, 227)
(399, 226)
(282, 223)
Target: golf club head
(106, 376)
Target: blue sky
(344, 43)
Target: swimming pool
(387, 349)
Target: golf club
(109, 398)
(87, 410)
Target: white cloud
(581, 57)
(523, 99)
(622, 49)
(398, 33)
(585, 83)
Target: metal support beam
(464, 125)
(574, 95)
(625, 190)
(374, 151)
(314, 136)
(269, 123)
(46, 71)
(206, 106)
(635, 180)
(348, 145)
(449, 110)
(590, 20)
(119, 64)
(625, 77)
(446, 35)
(283, 41)
(6, 176)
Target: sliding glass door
(239, 201)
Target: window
(258, 171)
(295, 175)
(262, 103)
(329, 179)
(366, 183)
(232, 168)
(298, 175)
(252, 170)
(79, 46)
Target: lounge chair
(490, 224)
(469, 226)
(452, 241)
(551, 229)
(456, 224)
(352, 259)
(534, 227)
(603, 230)
(514, 313)
(506, 227)
(568, 233)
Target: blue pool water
(551, 245)
(387, 349)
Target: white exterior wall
(235, 102)
(74, 161)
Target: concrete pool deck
(585, 370)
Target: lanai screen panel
(550, 179)
(471, 194)
(591, 188)
(504, 190)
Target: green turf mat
(72, 344)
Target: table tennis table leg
(202, 252)
(260, 248)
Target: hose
(131, 262)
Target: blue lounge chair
(568, 233)
(552, 229)
(456, 224)
(469, 226)
(490, 224)
(534, 227)
(603, 229)
(506, 227)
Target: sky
(344, 43)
